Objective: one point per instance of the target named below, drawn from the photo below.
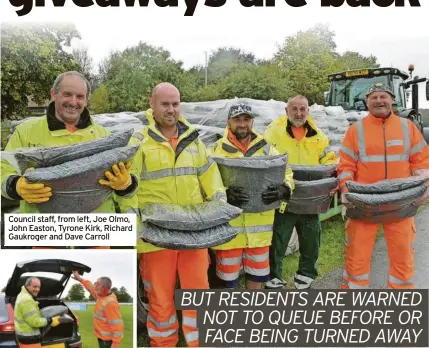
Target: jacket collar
(308, 125)
(23, 288)
(379, 120)
(55, 124)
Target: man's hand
(422, 199)
(121, 177)
(332, 193)
(33, 193)
(237, 197)
(76, 276)
(55, 321)
(345, 201)
(276, 193)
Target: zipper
(385, 150)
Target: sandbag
(53, 311)
(75, 187)
(180, 240)
(312, 197)
(254, 175)
(387, 207)
(387, 186)
(65, 318)
(41, 157)
(190, 217)
(310, 173)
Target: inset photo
(67, 299)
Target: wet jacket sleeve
(209, 175)
(9, 175)
(325, 156)
(419, 154)
(113, 315)
(288, 180)
(31, 315)
(89, 287)
(349, 153)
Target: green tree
(76, 293)
(123, 295)
(32, 55)
(99, 100)
(353, 60)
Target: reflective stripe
(147, 284)
(406, 133)
(32, 333)
(205, 167)
(155, 333)
(227, 276)
(398, 281)
(361, 139)
(229, 261)
(191, 336)
(349, 152)
(219, 196)
(138, 135)
(97, 316)
(109, 334)
(188, 321)
(416, 148)
(356, 286)
(257, 258)
(359, 277)
(163, 324)
(382, 158)
(29, 314)
(19, 321)
(305, 279)
(421, 172)
(261, 228)
(116, 321)
(257, 271)
(164, 173)
(346, 175)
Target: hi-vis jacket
(185, 176)
(311, 150)
(256, 229)
(47, 131)
(27, 318)
(375, 149)
(107, 318)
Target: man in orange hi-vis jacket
(378, 147)
(108, 323)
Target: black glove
(275, 193)
(237, 197)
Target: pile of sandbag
(196, 226)
(73, 171)
(313, 185)
(386, 200)
(253, 175)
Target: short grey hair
(106, 282)
(297, 97)
(60, 77)
(29, 280)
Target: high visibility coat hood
(185, 176)
(311, 150)
(27, 318)
(256, 229)
(376, 149)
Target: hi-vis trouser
(158, 271)
(360, 240)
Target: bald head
(165, 103)
(297, 110)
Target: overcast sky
(397, 36)
(118, 265)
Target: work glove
(32, 193)
(55, 321)
(237, 197)
(276, 193)
(120, 179)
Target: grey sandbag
(254, 175)
(75, 187)
(52, 156)
(310, 173)
(190, 217)
(53, 311)
(312, 197)
(180, 240)
(387, 186)
(387, 207)
(65, 318)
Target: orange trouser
(32, 345)
(360, 240)
(158, 271)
